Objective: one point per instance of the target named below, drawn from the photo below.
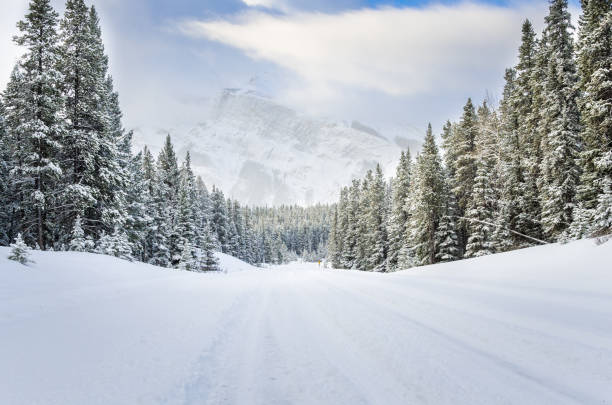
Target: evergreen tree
(464, 147)
(188, 260)
(427, 205)
(219, 220)
(351, 235)
(5, 195)
(447, 241)
(399, 215)
(34, 107)
(208, 260)
(376, 236)
(20, 251)
(560, 125)
(595, 68)
(78, 242)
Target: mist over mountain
(263, 153)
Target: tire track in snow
(562, 392)
(222, 371)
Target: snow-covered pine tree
(186, 215)
(34, 107)
(592, 216)
(83, 78)
(138, 206)
(560, 126)
(426, 205)
(511, 205)
(208, 260)
(5, 195)
(485, 195)
(333, 248)
(157, 232)
(351, 235)
(188, 260)
(464, 147)
(342, 228)
(168, 183)
(20, 251)
(78, 241)
(219, 220)
(399, 215)
(447, 241)
(375, 241)
(525, 95)
(363, 249)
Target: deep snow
(527, 327)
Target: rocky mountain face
(260, 152)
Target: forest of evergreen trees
(537, 169)
(69, 179)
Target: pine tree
(447, 240)
(376, 236)
(167, 179)
(351, 235)
(525, 99)
(188, 260)
(560, 125)
(399, 215)
(208, 261)
(480, 215)
(78, 242)
(20, 251)
(465, 172)
(334, 253)
(5, 195)
(595, 68)
(34, 107)
(426, 205)
(219, 220)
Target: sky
(392, 64)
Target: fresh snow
(527, 327)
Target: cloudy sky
(393, 64)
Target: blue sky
(393, 64)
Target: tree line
(536, 169)
(69, 179)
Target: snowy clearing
(531, 326)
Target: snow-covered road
(526, 327)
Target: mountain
(260, 152)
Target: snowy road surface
(529, 327)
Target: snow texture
(260, 152)
(527, 327)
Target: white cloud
(9, 52)
(271, 4)
(395, 51)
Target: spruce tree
(427, 205)
(465, 164)
(399, 215)
(595, 68)
(560, 126)
(447, 240)
(376, 240)
(351, 235)
(523, 102)
(34, 108)
(20, 251)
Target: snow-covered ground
(527, 327)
